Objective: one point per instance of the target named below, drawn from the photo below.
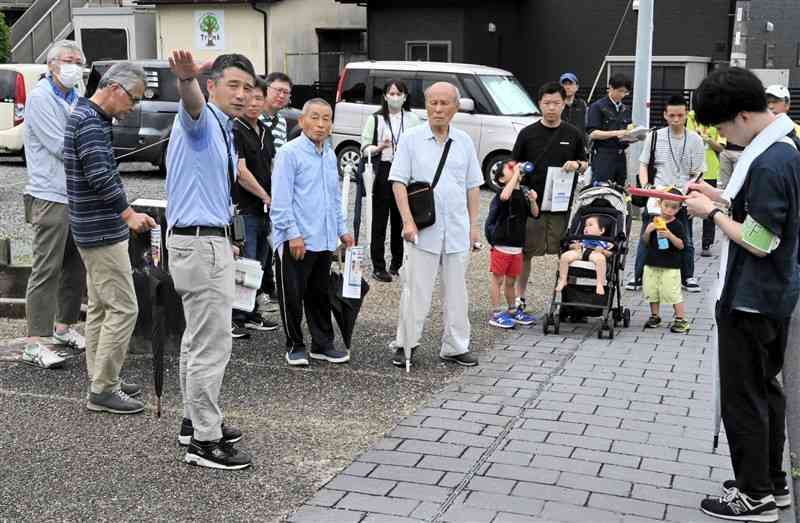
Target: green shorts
(662, 285)
(543, 235)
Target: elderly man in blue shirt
(200, 164)
(445, 245)
(307, 221)
(58, 279)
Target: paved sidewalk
(555, 428)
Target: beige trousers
(111, 315)
(418, 275)
(202, 268)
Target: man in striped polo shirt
(101, 218)
(279, 93)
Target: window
(509, 96)
(8, 86)
(428, 79)
(473, 90)
(380, 78)
(355, 85)
(104, 44)
(422, 51)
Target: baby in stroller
(595, 251)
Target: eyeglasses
(133, 99)
(284, 92)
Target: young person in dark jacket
(505, 232)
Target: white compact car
(16, 81)
(494, 105)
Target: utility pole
(642, 73)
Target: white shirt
(416, 159)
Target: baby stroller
(579, 297)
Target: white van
(16, 81)
(494, 105)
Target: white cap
(778, 91)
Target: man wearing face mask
(57, 279)
(383, 132)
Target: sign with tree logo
(209, 30)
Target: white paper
(557, 190)
(635, 135)
(351, 280)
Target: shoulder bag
(420, 195)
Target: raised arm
(182, 64)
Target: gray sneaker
(131, 389)
(116, 402)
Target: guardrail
(42, 24)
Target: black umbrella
(361, 192)
(159, 283)
(345, 310)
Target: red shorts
(504, 264)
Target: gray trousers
(112, 312)
(202, 268)
(58, 278)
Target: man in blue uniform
(606, 123)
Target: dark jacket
(505, 224)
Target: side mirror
(466, 105)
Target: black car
(143, 135)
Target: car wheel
(349, 156)
(494, 163)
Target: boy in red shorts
(505, 232)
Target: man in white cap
(778, 102)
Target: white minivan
(494, 105)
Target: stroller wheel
(626, 318)
(600, 333)
(556, 323)
(546, 324)
(611, 333)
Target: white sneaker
(72, 338)
(41, 356)
(262, 300)
(691, 285)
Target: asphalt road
(60, 462)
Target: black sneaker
(399, 358)
(738, 506)
(652, 322)
(260, 325)
(330, 355)
(230, 434)
(238, 332)
(382, 276)
(783, 498)
(467, 359)
(394, 271)
(216, 455)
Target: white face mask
(396, 102)
(70, 75)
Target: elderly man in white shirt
(445, 245)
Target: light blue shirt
(416, 160)
(46, 114)
(198, 188)
(306, 199)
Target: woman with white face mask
(384, 130)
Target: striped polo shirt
(94, 188)
(277, 126)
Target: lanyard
(396, 140)
(672, 152)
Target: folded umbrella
(159, 282)
(345, 310)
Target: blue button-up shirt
(416, 160)
(198, 188)
(306, 199)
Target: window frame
(428, 43)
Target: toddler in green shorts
(662, 266)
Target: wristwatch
(713, 213)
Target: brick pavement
(555, 428)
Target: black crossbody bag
(237, 220)
(420, 195)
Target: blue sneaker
(297, 358)
(523, 318)
(330, 355)
(502, 320)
